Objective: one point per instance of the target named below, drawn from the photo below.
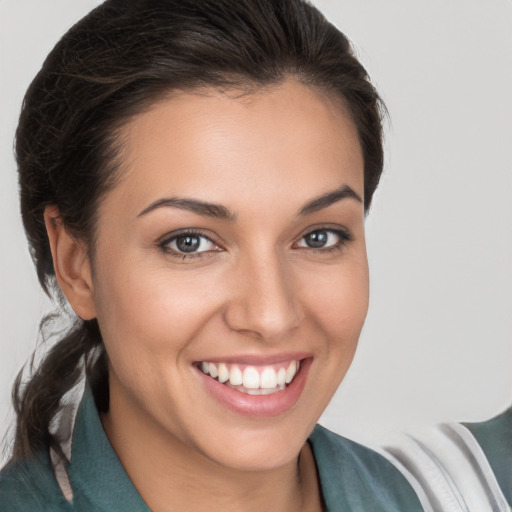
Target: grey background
(437, 344)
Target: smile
(250, 379)
(255, 387)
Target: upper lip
(258, 359)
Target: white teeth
(223, 373)
(251, 379)
(290, 372)
(268, 378)
(235, 376)
(281, 377)
(212, 370)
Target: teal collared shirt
(352, 478)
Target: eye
(324, 239)
(188, 243)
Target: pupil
(316, 239)
(187, 243)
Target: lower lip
(262, 406)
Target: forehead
(233, 147)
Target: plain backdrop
(437, 345)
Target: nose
(264, 301)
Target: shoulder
(354, 477)
(29, 485)
(495, 438)
(459, 467)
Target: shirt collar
(95, 472)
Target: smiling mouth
(250, 379)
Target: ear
(71, 264)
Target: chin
(261, 453)
(247, 448)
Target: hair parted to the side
(116, 62)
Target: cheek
(339, 300)
(338, 303)
(143, 313)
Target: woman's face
(232, 248)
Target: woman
(194, 180)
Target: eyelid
(336, 228)
(164, 241)
(345, 236)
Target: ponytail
(37, 401)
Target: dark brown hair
(114, 63)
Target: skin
(257, 289)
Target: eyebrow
(193, 205)
(219, 211)
(329, 199)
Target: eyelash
(343, 235)
(164, 245)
